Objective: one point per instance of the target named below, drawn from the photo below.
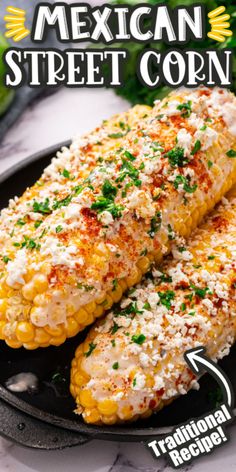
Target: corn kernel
(57, 331)
(41, 336)
(13, 343)
(92, 416)
(30, 346)
(80, 379)
(40, 283)
(79, 351)
(2, 326)
(126, 413)
(57, 341)
(86, 399)
(123, 284)
(101, 298)
(107, 407)
(109, 419)
(72, 327)
(134, 277)
(116, 294)
(108, 302)
(40, 300)
(81, 316)
(144, 264)
(29, 291)
(90, 307)
(25, 332)
(99, 311)
(3, 306)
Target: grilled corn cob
(101, 234)
(131, 364)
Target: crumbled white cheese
(140, 381)
(207, 137)
(17, 268)
(184, 140)
(105, 218)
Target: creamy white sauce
(23, 382)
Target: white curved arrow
(198, 362)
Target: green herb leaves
(185, 109)
(231, 153)
(176, 157)
(181, 180)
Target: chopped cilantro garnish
(209, 164)
(20, 222)
(127, 169)
(60, 203)
(189, 296)
(191, 313)
(38, 223)
(196, 147)
(180, 179)
(116, 135)
(59, 228)
(77, 189)
(181, 249)
(165, 278)
(85, 287)
(144, 252)
(129, 156)
(210, 258)
(146, 306)
(134, 382)
(166, 298)
(42, 207)
(138, 338)
(92, 346)
(231, 153)
(6, 259)
(114, 328)
(200, 292)
(115, 365)
(142, 166)
(28, 243)
(132, 308)
(176, 157)
(171, 234)
(102, 204)
(115, 284)
(155, 225)
(183, 306)
(113, 342)
(185, 108)
(108, 190)
(66, 174)
(203, 128)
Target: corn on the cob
(100, 236)
(131, 364)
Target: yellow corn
(132, 363)
(106, 216)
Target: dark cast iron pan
(45, 419)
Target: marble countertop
(46, 122)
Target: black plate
(46, 419)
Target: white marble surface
(44, 123)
